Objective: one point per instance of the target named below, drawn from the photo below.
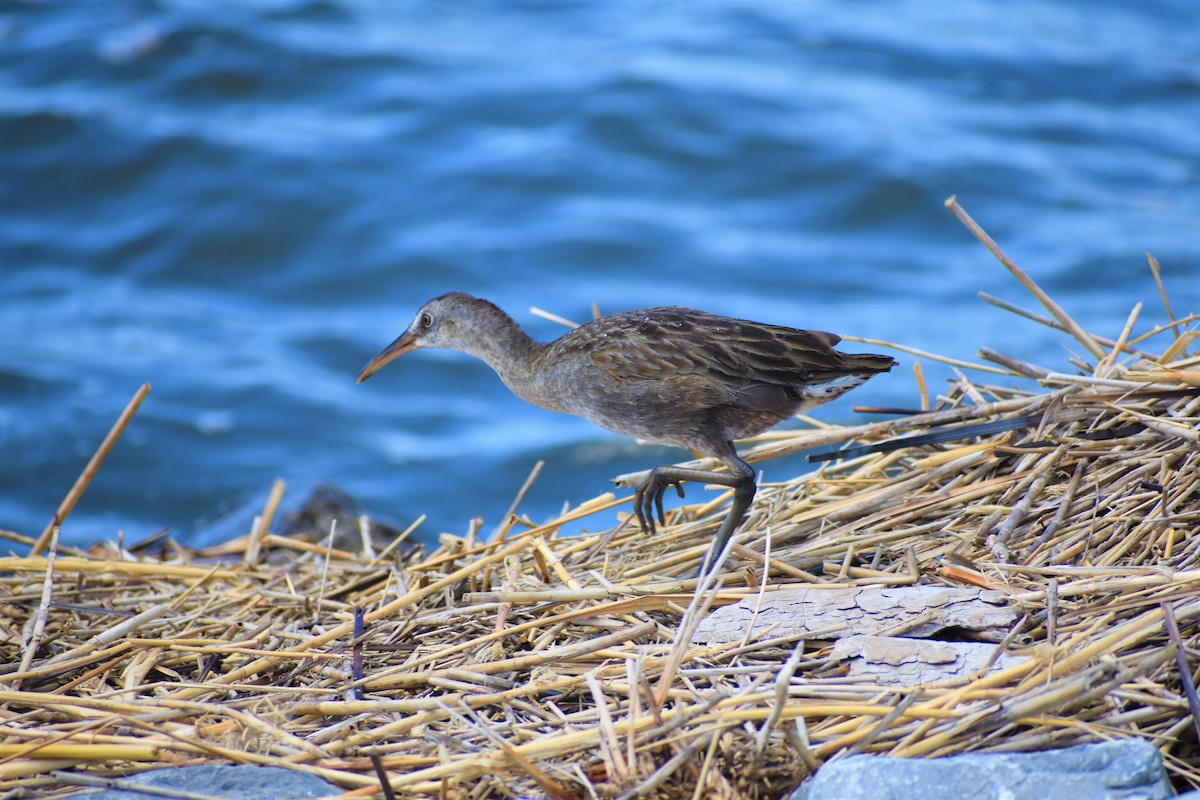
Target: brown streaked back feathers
(758, 362)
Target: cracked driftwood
(916, 611)
(896, 661)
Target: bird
(664, 375)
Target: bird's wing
(750, 363)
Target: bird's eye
(426, 320)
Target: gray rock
(1128, 769)
(235, 782)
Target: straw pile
(528, 664)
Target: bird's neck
(507, 349)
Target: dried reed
(547, 665)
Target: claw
(648, 500)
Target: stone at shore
(1127, 769)
(233, 782)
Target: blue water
(240, 203)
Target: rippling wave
(241, 203)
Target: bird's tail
(867, 363)
(856, 369)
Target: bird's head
(448, 321)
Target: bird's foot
(648, 499)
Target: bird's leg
(648, 496)
(743, 496)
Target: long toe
(643, 508)
(659, 491)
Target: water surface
(240, 203)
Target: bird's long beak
(390, 353)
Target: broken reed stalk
(1185, 675)
(34, 640)
(506, 521)
(262, 523)
(89, 471)
(1156, 271)
(548, 665)
(1054, 324)
(1081, 336)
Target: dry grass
(526, 663)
